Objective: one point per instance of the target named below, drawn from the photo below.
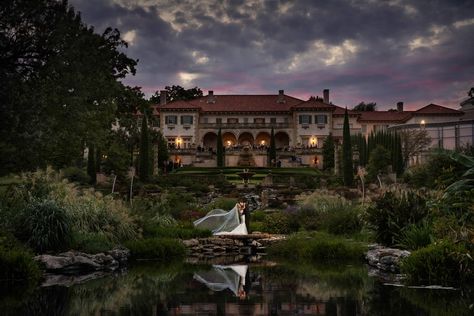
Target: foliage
(154, 231)
(392, 143)
(439, 171)
(163, 154)
(443, 263)
(359, 146)
(177, 92)
(413, 237)
(221, 203)
(44, 226)
(414, 142)
(321, 211)
(59, 83)
(272, 149)
(347, 167)
(75, 174)
(467, 181)
(328, 153)
(18, 265)
(91, 242)
(280, 223)
(220, 150)
(91, 165)
(362, 106)
(163, 249)
(144, 168)
(393, 211)
(317, 247)
(378, 162)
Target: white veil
(219, 220)
(223, 277)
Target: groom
(246, 212)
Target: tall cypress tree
(272, 153)
(347, 168)
(328, 153)
(144, 167)
(220, 150)
(91, 171)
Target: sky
(418, 52)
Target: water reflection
(255, 289)
(221, 277)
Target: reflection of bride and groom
(220, 278)
(222, 222)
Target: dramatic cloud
(363, 50)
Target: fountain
(246, 158)
(245, 176)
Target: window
(321, 119)
(305, 119)
(273, 120)
(205, 120)
(246, 120)
(286, 120)
(186, 120)
(259, 120)
(232, 120)
(171, 119)
(219, 120)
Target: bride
(222, 222)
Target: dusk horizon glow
(418, 52)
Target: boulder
(386, 259)
(78, 262)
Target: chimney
(326, 96)
(281, 96)
(163, 97)
(210, 97)
(400, 106)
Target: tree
(347, 168)
(177, 93)
(59, 82)
(272, 150)
(144, 167)
(362, 106)
(163, 154)
(378, 162)
(91, 165)
(471, 92)
(413, 143)
(328, 153)
(220, 150)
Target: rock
(191, 242)
(386, 259)
(78, 262)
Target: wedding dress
(222, 277)
(222, 222)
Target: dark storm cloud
(383, 51)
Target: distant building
(300, 127)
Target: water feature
(264, 288)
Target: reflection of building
(300, 127)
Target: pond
(264, 288)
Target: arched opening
(262, 139)
(282, 140)
(228, 139)
(246, 139)
(210, 140)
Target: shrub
(221, 203)
(317, 247)
(393, 211)
(75, 174)
(280, 223)
(91, 242)
(18, 265)
(44, 226)
(257, 226)
(156, 248)
(345, 221)
(415, 237)
(258, 216)
(444, 264)
(175, 232)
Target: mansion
(300, 127)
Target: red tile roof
(179, 104)
(384, 116)
(246, 103)
(340, 111)
(435, 109)
(314, 104)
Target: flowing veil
(219, 220)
